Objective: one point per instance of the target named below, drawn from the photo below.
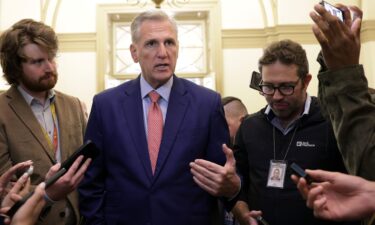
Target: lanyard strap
(290, 143)
(55, 142)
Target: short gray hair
(154, 14)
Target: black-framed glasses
(284, 89)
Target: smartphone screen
(333, 10)
(256, 78)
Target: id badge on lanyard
(276, 173)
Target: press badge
(276, 174)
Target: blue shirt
(164, 91)
(44, 116)
(276, 122)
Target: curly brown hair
(287, 52)
(12, 41)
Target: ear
(134, 53)
(307, 80)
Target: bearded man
(36, 122)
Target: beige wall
(238, 65)
(247, 26)
(240, 60)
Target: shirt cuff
(48, 200)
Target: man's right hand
(28, 213)
(337, 196)
(69, 182)
(340, 41)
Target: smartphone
(88, 150)
(262, 221)
(256, 78)
(333, 10)
(22, 201)
(299, 172)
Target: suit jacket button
(62, 214)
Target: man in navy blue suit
(193, 165)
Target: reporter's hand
(244, 215)
(340, 196)
(10, 173)
(29, 212)
(69, 182)
(340, 41)
(216, 179)
(302, 185)
(20, 189)
(250, 218)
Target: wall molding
(231, 38)
(368, 31)
(77, 42)
(258, 38)
(227, 39)
(105, 11)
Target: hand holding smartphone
(333, 10)
(299, 172)
(261, 220)
(88, 150)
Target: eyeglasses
(284, 89)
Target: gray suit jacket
(22, 138)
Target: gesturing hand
(215, 179)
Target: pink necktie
(155, 128)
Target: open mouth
(162, 66)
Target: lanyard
(290, 143)
(55, 142)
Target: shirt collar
(30, 99)
(276, 122)
(164, 91)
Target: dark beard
(45, 83)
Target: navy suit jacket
(119, 187)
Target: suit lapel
(134, 118)
(177, 109)
(64, 129)
(25, 114)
